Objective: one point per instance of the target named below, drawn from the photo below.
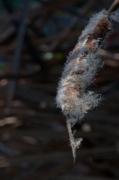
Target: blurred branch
(109, 55)
(52, 6)
(8, 6)
(30, 47)
(6, 150)
(94, 152)
(18, 52)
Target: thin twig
(18, 52)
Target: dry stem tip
(75, 143)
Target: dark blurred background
(36, 36)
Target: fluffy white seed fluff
(93, 22)
(115, 15)
(79, 70)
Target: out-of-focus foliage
(34, 142)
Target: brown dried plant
(80, 68)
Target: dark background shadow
(35, 38)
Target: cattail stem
(114, 6)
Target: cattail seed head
(80, 68)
